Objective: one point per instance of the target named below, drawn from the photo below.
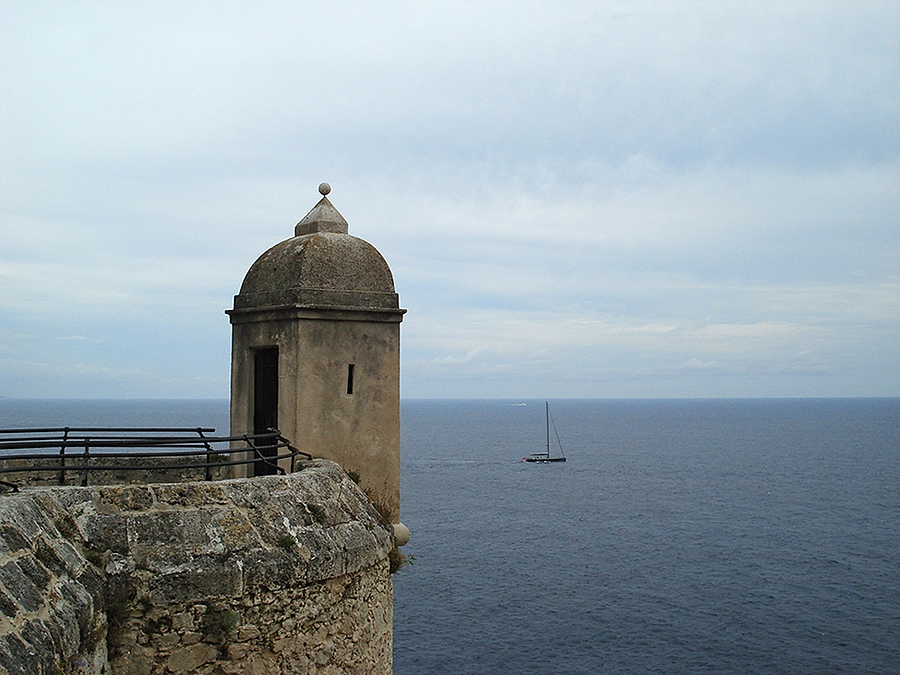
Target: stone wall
(152, 470)
(275, 574)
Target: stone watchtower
(316, 352)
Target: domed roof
(321, 266)
(323, 260)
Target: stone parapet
(275, 574)
(37, 472)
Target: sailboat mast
(547, 415)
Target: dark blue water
(17, 413)
(758, 536)
(680, 537)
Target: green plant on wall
(218, 625)
(397, 559)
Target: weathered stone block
(61, 506)
(166, 640)
(231, 530)
(183, 621)
(245, 633)
(188, 659)
(191, 638)
(59, 556)
(19, 658)
(36, 634)
(205, 578)
(163, 529)
(272, 570)
(198, 494)
(8, 606)
(20, 587)
(62, 623)
(11, 539)
(115, 499)
(35, 571)
(137, 661)
(104, 532)
(77, 597)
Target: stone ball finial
(324, 189)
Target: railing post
(62, 457)
(87, 453)
(209, 452)
(272, 459)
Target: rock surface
(275, 574)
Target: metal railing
(82, 450)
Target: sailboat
(544, 457)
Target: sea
(680, 536)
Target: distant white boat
(544, 457)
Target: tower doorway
(265, 404)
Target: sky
(595, 199)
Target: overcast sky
(577, 199)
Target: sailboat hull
(543, 460)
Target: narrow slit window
(350, 368)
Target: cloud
(454, 359)
(23, 378)
(756, 330)
(81, 338)
(599, 192)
